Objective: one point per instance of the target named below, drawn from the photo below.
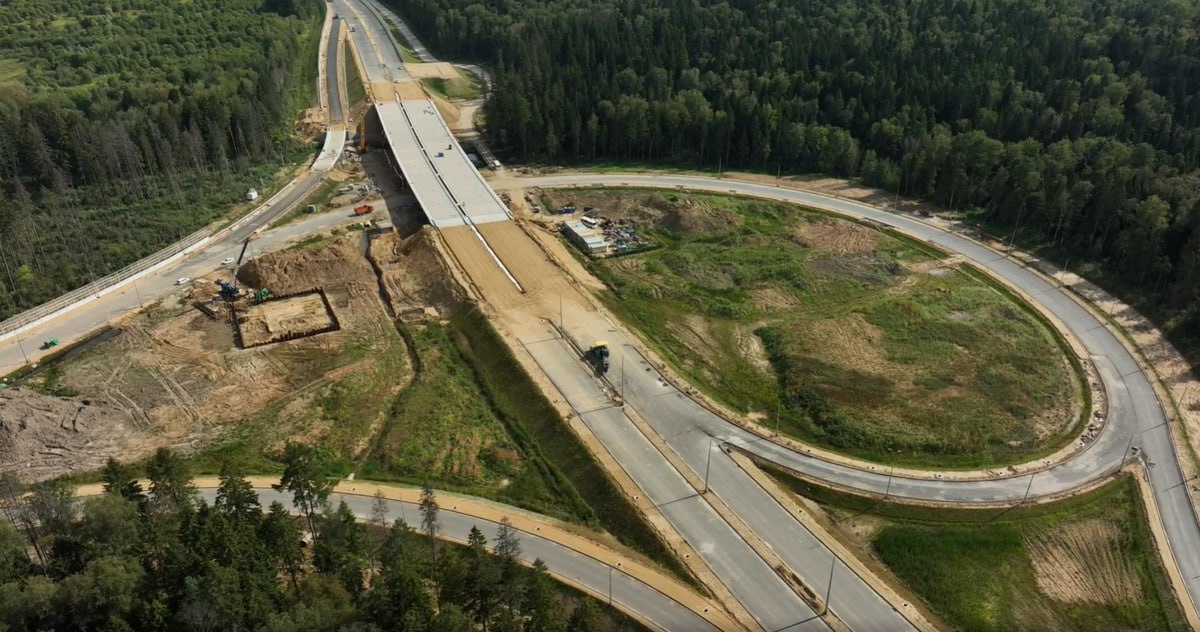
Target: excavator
(230, 290)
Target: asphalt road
(333, 84)
(410, 39)
(378, 51)
(1135, 416)
(358, 37)
(561, 560)
(750, 578)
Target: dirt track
(520, 312)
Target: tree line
(1071, 125)
(127, 124)
(161, 558)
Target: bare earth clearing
(173, 377)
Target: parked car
(182, 281)
(227, 261)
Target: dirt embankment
(413, 276)
(685, 216)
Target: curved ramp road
(626, 592)
(1135, 416)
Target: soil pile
(334, 263)
(838, 237)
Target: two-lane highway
(333, 78)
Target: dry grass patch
(1082, 562)
(838, 237)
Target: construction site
(234, 353)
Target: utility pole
(137, 293)
(622, 374)
(707, 463)
(610, 585)
(1029, 487)
(1128, 449)
(887, 492)
(22, 348)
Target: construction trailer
(589, 239)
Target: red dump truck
(364, 209)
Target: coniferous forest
(127, 124)
(1074, 122)
(162, 558)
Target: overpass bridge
(448, 187)
(434, 166)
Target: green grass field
(456, 89)
(1085, 563)
(356, 92)
(406, 52)
(442, 429)
(842, 335)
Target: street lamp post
(622, 374)
(22, 348)
(610, 585)
(707, 463)
(829, 587)
(1029, 487)
(777, 406)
